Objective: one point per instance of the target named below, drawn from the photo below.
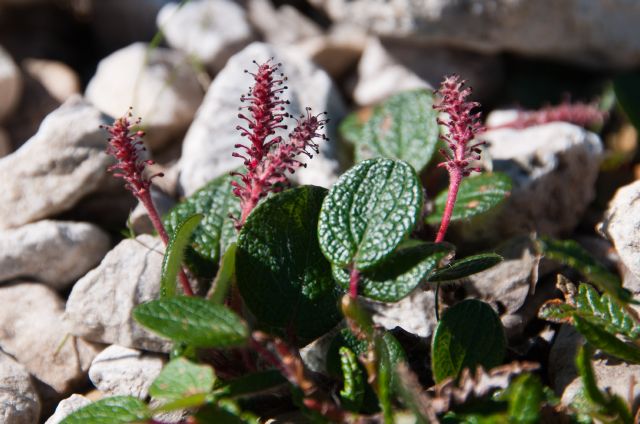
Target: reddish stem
(354, 279)
(455, 177)
(145, 198)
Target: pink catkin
(582, 114)
(125, 145)
(462, 125)
(267, 156)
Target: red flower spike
(463, 124)
(582, 114)
(125, 146)
(269, 157)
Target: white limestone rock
(415, 313)
(100, 305)
(64, 161)
(210, 30)
(53, 252)
(580, 31)
(19, 403)
(553, 168)
(120, 371)
(34, 332)
(621, 225)
(10, 85)
(60, 81)
(210, 141)
(158, 83)
(66, 407)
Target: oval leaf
(465, 267)
(469, 334)
(181, 379)
(192, 320)
(399, 274)
(368, 212)
(283, 277)
(602, 339)
(111, 410)
(216, 231)
(476, 195)
(175, 253)
(404, 127)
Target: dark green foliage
(465, 267)
(111, 410)
(174, 254)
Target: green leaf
(180, 379)
(570, 253)
(226, 273)
(351, 127)
(192, 320)
(399, 274)
(352, 393)
(225, 412)
(526, 396)
(606, 312)
(216, 231)
(476, 196)
(384, 379)
(602, 339)
(469, 334)
(368, 212)
(604, 406)
(465, 267)
(627, 89)
(404, 127)
(282, 275)
(111, 410)
(175, 253)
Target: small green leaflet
(175, 253)
(216, 231)
(465, 267)
(352, 393)
(368, 212)
(469, 334)
(192, 320)
(111, 410)
(181, 379)
(404, 127)
(399, 274)
(282, 275)
(477, 195)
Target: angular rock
(19, 403)
(158, 83)
(390, 66)
(34, 332)
(66, 407)
(52, 171)
(60, 81)
(210, 141)
(53, 252)
(553, 168)
(415, 313)
(10, 85)
(621, 225)
(210, 30)
(581, 31)
(122, 371)
(284, 25)
(100, 304)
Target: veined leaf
(476, 195)
(465, 267)
(469, 334)
(404, 127)
(602, 339)
(192, 320)
(182, 379)
(216, 230)
(399, 274)
(282, 275)
(368, 212)
(352, 393)
(111, 410)
(175, 253)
